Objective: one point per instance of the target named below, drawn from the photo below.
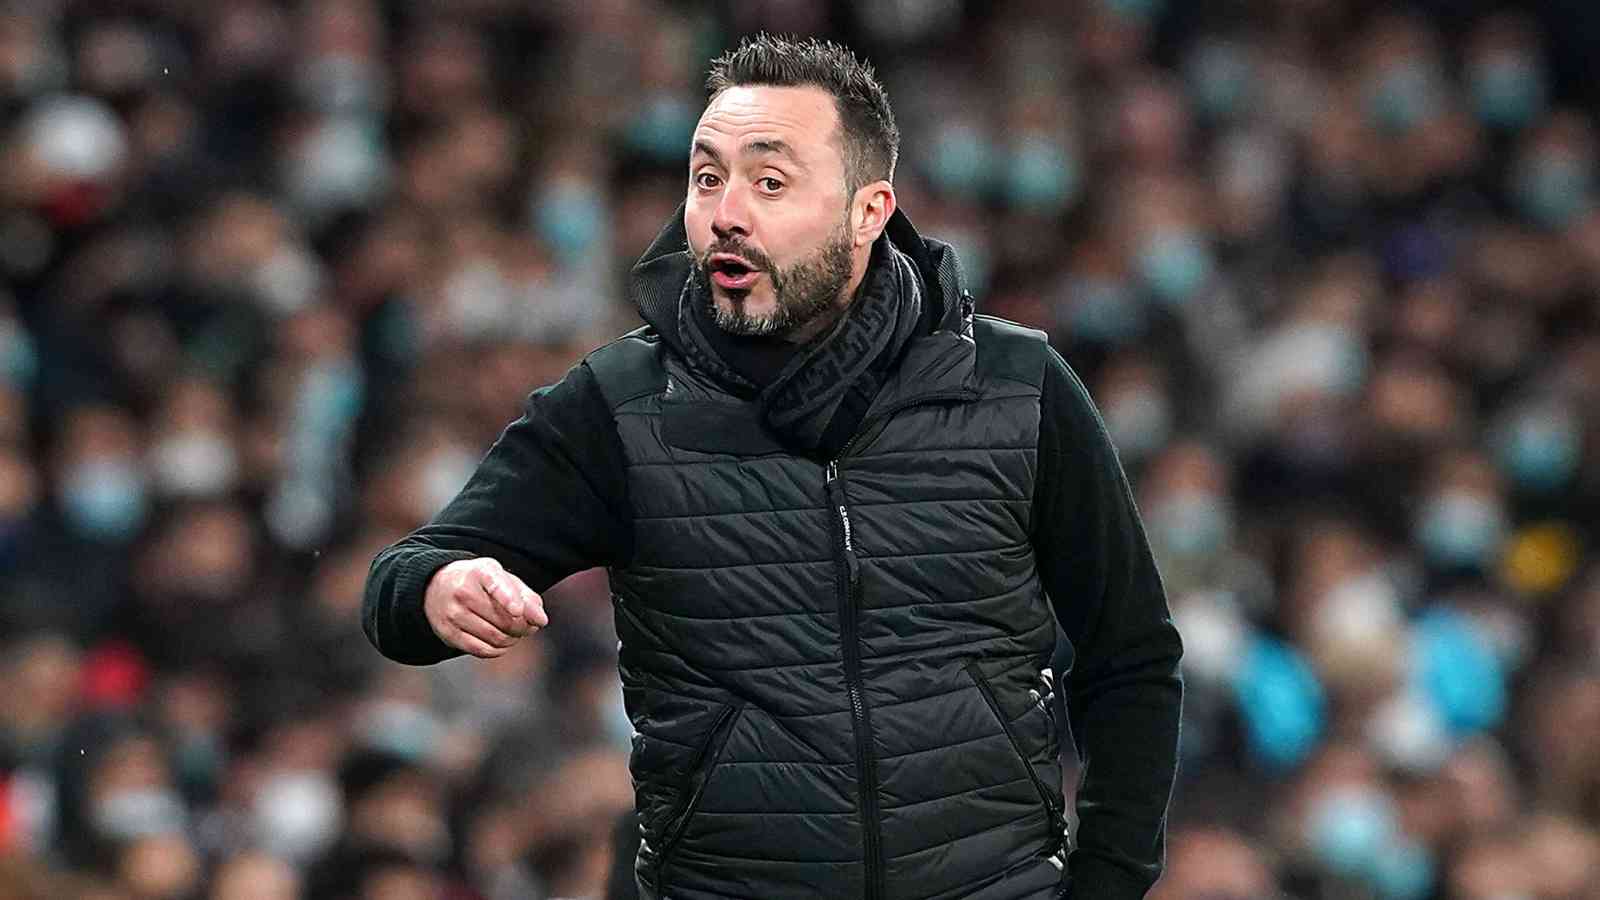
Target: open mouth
(732, 273)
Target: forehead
(802, 117)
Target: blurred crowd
(274, 275)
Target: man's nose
(732, 215)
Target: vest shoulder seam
(628, 367)
(1008, 325)
(998, 376)
(1008, 351)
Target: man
(842, 516)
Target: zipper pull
(833, 471)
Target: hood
(655, 284)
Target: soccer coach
(842, 516)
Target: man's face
(768, 216)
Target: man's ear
(870, 211)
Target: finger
(468, 643)
(504, 595)
(510, 595)
(519, 627)
(483, 605)
(533, 608)
(485, 631)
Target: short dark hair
(871, 140)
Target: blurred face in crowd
(1216, 865)
(1565, 855)
(1482, 787)
(1489, 868)
(1552, 178)
(19, 494)
(163, 867)
(252, 876)
(43, 674)
(1136, 406)
(1562, 714)
(401, 882)
(133, 763)
(100, 484)
(403, 811)
(1555, 857)
(1473, 793)
(1462, 523)
(192, 453)
(1185, 495)
(779, 237)
(203, 555)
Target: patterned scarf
(840, 371)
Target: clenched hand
(476, 606)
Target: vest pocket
(1051, 804)
(700, 776)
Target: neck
(820, 324)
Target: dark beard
(805, 291)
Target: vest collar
(938, 366)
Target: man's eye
(706, 180)
(772, 185)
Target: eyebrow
(780, 147)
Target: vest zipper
(849, 582)
(849, 606)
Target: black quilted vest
(834, 668)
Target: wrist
(411, 594)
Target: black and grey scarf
(817, 399)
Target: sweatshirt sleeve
(547, 500)
(1125, 691)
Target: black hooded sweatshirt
(550, 499)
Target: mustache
(749, 254)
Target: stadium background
(273, 276)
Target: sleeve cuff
(420, 646)
(1093, 878)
